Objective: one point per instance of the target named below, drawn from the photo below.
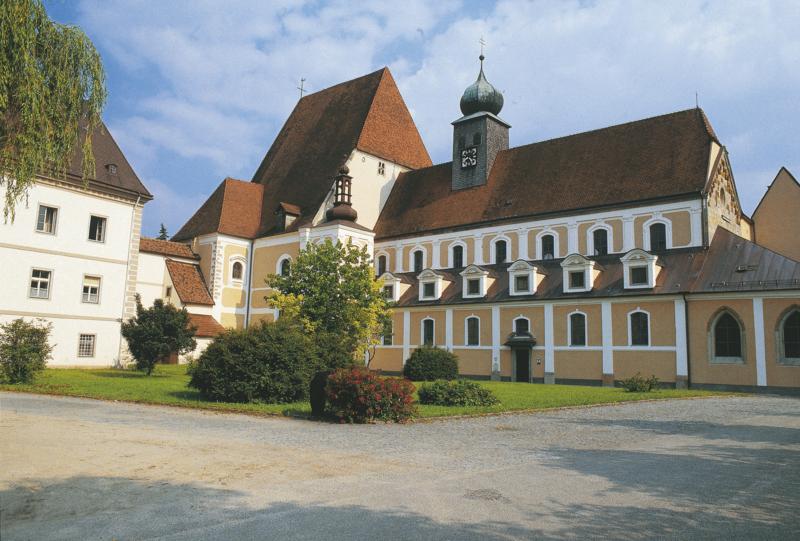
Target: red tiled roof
(233, 209)
(189, 283)
(656, 158)
(166, 247)
(207, 326)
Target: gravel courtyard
(710, 468)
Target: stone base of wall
(790, 391)
(681, 382)
(608, 380)
(549, 378)
(584, 382)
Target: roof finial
(483, 44)
(301, 88)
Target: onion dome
(481, 96)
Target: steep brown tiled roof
(207, 326)
(656, 158)
(166, 247)
(189, 283)
(233, 209)
(106, 151)
(366, 113)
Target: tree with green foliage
(24, 349)
(162, 233)
(331, 288)
(52, 91)
(157, 332)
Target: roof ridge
(349, 81)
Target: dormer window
(640, 269)
(430, 285)
(474, 282)
(286, 214)
(579, 273)
(391, 287)
(388, 292)
(522, 278)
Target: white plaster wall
(151, 278)
(371, 190)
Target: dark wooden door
(523, 365)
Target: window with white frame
(457, 256)
(430, 285)
(657, 235)
(639, 269)
(599, 241)
(86, 345)
(521, 278)
(638, 328)
(546, 245)
(428, 329)
(472, 331)
(418, 260)
(727, 338)
(97, 229)
(474, 282)
(500, 251)
(577, 329)
(391, 286)
(381, 264)
(46, 220)
(284, 265)
(91, 289)
(40, 284)
(388, 292)
(578, 273)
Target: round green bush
(431, 363)
(24, 349)
(267, 363)
(460, 392)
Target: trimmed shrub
(266, 363)
(431, 363)
(356, 395)
(639, 383)
(24, 349)
(460, 392)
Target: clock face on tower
(469, 157)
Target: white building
(71, 257)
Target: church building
(583, 259)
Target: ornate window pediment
(391, 286)
(579, 273)
(474, 282)
(522, 278)
(639, 269)
(430, 285)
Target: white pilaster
(697, 227)
(761, 352)
(522, 252)
(398, 257)
(406, 336)
(436, 263)
(495, 338)
(572, 238)
(608, 353)
(549, 346)
(478, 242)
(681, 354)
(628, 237)
(448, 329)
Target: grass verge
(168, 386)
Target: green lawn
(167, 386)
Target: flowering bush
(460, 392)
(356, 395)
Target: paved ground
(714, 468)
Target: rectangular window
(640, 331)
(639, 276)
(381, 168)
(86, 345)
(428, 290)
(97, 229)
(386, 339)
(474, 286)
(522, 283)
(91, 289)
(46, 221)
(577, 280)
(427, 332)
(473, 331)
(388, 292)
(40, 284)
(577, 330)
(168, 294)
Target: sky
(198, 90)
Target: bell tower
(478, 135)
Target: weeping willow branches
(52, 90)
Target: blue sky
(199, 89)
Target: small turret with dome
(479, 135)
(481, 96)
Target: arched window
(500, 251)
(427, 331)
(237, 271)
(458, 256)
(419, 256)
(658, 237)
(600, 240)
(639, 328)
(381, 265)
(727, 338)
(790, 338)
(286, 266)
(577, 329)
(548, 247)
(522, 325)
(473, 331)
